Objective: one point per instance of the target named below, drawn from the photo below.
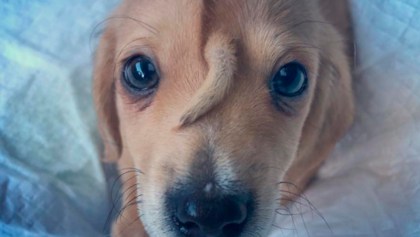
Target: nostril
(190, 226)
(238, 213)
(200, 215)
(186, 228)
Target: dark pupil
(288, 75)
(142, 74)
(290, 80)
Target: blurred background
(51, 181)
(53, 184)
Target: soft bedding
(52, 184)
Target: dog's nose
(201, 215)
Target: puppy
(210, 106)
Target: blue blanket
(51, 182)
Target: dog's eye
(290, 80)
(140, 74)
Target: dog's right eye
(140, 75)
(290, 80)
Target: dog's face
(212, 101)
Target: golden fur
(214, 58)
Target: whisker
(133, 201)
(309, 203)
(114, 190)
(94, 32)
(126, 171)
(134, 189)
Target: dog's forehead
(233, 15)
(182, 28)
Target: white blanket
(51, 183)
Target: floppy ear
(104, 96)
(331, 111)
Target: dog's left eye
(289, 81)
(140, 74)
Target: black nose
(202, 215)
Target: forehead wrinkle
(139, 22)
(220, 54)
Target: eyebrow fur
(220, 54)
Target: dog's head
(214, 101)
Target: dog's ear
(104, 96)
(331, 111)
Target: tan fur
(220, 55)
(214, 59)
